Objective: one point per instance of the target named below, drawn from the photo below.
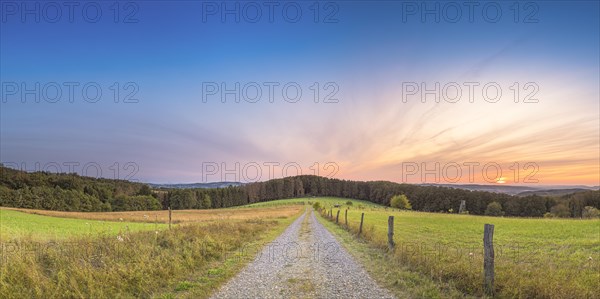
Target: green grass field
(18, 225)
(534, 257)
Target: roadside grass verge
(398, 279)
(203, 283)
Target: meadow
(16, 224)
(545, 258)
(56, 225)
(56, 257)
(74, 254)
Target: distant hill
(541, 190)
(196, 185)
(519, 190)
(512, 190)
(554, 192)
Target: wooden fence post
(362, 217)
(488, 259)
(169, 217)
(346, 216)
(391, 232)
(337, 217)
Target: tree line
(422, 198)
(71, 192)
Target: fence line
(488, 245)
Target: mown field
(178, 216)
(545, 258)
(57, 257)
(326, 201)
(15, 225)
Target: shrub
(590, 212)
(349, 203)
(400, 202)
(494, 209)
(317, 205)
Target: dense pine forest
(71, 192)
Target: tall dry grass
(140, 264)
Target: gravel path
(305, 261)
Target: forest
(71, 192)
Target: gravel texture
(305, 261)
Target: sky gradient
(368, 53)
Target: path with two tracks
(305, 261)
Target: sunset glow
(367, 118)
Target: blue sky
(367, 53)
